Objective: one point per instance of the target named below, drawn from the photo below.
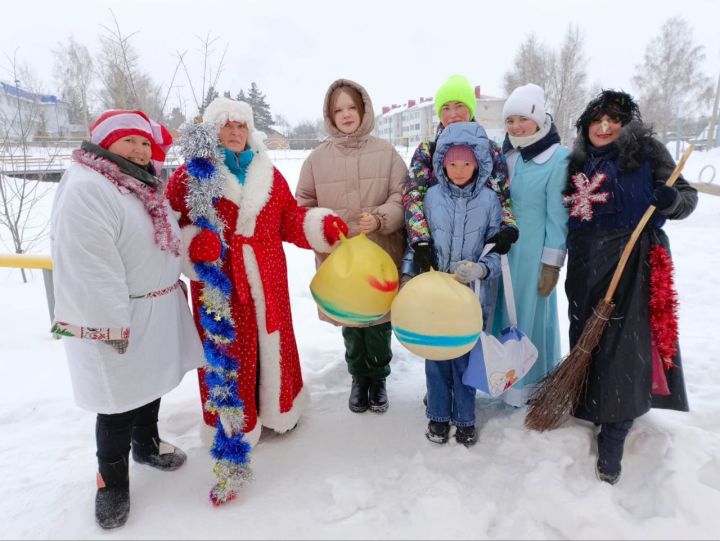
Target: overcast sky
(397, 49)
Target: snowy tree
(21, 197)
(74, 73)
(261, 110)
(672, 86)
(209, 97)
(123, 84)
(280, 122)
(304, 135)
(176, 119)
(208, 81)
(566, 94)
(561, 74)
(533, 64)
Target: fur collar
(635, 144)
(252, 196)
(211, 178)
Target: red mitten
(205, 247)
(332, 227)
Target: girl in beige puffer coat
(360, 177)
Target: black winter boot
(358, 402)
(438, 431)
(158, 454)
(466, 435)
(112, 500)
(611, 442)
(147, 447)
(377, 396)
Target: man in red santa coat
(236, 210)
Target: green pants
(367, 350)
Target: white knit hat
(529, 101)
(222, 110)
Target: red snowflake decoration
(584, 198)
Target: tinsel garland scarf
(151, 198)
(230, 449)
(663, 304)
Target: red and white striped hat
(118, 123)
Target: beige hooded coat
(357, 173)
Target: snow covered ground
(341, 475)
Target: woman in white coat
(537, 166)
(128, 332)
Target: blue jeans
(449, 399)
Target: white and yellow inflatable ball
(357, 283)
(436, 317)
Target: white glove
(467, 271)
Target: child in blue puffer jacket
(462, 214)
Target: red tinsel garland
(663, 304)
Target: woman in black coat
(617, 170)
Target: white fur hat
(529, 101)
(222, 110)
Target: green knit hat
(456, 88)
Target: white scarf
(522, 142)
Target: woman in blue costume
(537, 165)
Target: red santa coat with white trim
(259, 215)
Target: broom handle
(641, 225)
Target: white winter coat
(104, 252)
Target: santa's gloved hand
(663, 197)
(467, 271)
(118, 345)
(205, 247)
(548, 279)
(503, 240)
(332, 227)
(423, 256)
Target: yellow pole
(25, 261)
(29, 261)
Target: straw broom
(561, 390)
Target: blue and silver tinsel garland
(230, 448)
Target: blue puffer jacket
(462, 219)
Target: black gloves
(663, 197)
(503, 239)
(423, 256)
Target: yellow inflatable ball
(357, 283)
(436, 317)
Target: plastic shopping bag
(496, 364)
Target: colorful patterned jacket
(422, 178)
